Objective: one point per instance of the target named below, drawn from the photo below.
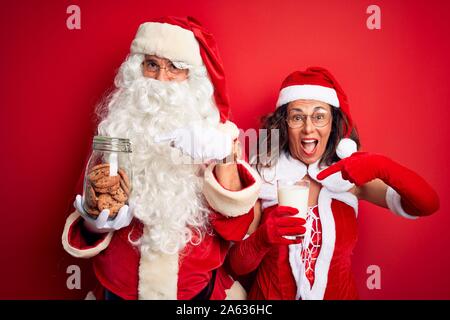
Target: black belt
(109, 295)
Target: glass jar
(108, 176)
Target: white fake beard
(167, 196)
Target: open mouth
(309, 146)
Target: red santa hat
(185, 40)
(317, 83)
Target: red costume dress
(320, 267)
(121, 269)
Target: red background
(396, 79)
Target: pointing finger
(330, 170)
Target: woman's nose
(308, 127)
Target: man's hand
(199, 142)
(102, 224)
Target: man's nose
(162, 75)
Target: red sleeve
(82, 239)
(229, 228)
(234, 228)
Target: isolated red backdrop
(396, 79)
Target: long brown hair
(277, 121)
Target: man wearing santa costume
(316, 132)
(186, 205)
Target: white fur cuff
(77, 252)
(394, 203)
(229, 128)
(230, 203)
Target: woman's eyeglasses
(319, 119)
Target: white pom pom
(345, 148)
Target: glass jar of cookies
(108, 177)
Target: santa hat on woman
(185, 40)
(317, 83)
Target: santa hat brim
(308, 92)
(169, 41)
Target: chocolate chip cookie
(124, 182)
(109, 190)
(91, 197)
(106, 201)
(119, 195)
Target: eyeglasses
(319, 119)
(152, 66)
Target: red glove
(418, 197)
(278, 224)
(246, 255)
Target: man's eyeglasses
(319, 119)
(152, 66)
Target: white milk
(294, 196)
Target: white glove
(199, 142)
(102, 224)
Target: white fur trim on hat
(307, 91)
(167, 41)
(345, 148)
(230, 203)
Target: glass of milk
(294, 194)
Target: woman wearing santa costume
(316, 131)
(172, 239)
